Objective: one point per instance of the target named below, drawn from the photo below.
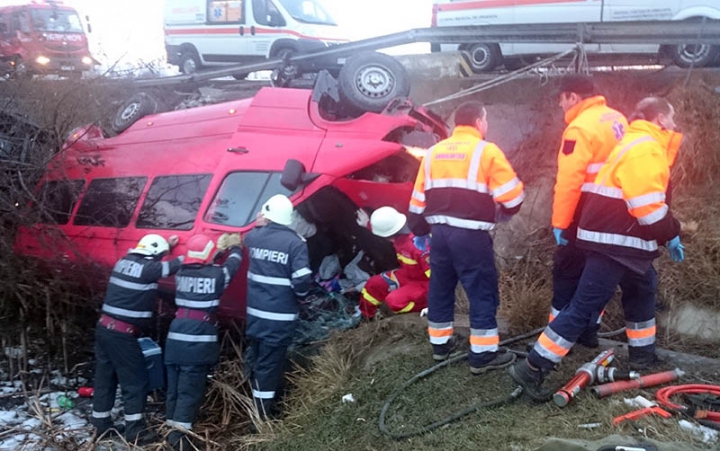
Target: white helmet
(278, 209)
(151, 245)
(386, 221)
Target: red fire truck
(43, 36)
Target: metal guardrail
(642, 32)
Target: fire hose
(664, 394)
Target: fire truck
(42, 37)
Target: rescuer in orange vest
(463, 182)
(624, 222)
(593, 131)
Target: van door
(558, 11)
(635, 10)
(226, 39)
(270, 26)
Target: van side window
(110, 202)
(56, 200)
(241, 195)
(21, 22)
(173, 202)
(226, 11)
(266, 13)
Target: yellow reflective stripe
(408, 308)
(407, 261)
(370, 298)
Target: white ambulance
(200, 33)
(487, 56)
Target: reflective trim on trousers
(280, 281)
(370, 298)
(408, 308)
(440, 333)
(271, 315)
(641, 334)
(552, 346)
(506, 188)
(132, 285)
(461, 223)
(655, 216)
(484, 340)
(124, 312)
(617, 240)
(101, 414)
(553, 313)
(301, 272)
(134, 417)
(197, 304)
(263, 394)
(192, 338)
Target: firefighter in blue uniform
(126, 312)
(192, 346)
(278, 279)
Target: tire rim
(130, 111)
(694, 52)
(480, 56)
(189, 66)
(375, 81)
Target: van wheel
(370, 80)
(697, 55)
(136, 107)
(189, 63)
(484, 57)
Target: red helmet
(200, 249)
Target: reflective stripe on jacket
(199, 287)
(626, 213)
(278, 274)
(593, 131)
(132, 288)
(459, 182)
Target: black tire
(370, 80)
(280, 78)
(695, 55)
(136, 107)
(484, 57)
(189, 63)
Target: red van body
(209, 169)
(43, 37)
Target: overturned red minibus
(209, 169)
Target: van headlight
(87, 60)
(42, 60)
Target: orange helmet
(200, 249)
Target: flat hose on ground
(458, 357)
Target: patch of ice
(8, 417)
(70, 420)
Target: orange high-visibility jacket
(593, 131)
(626, 213)
(459, 182)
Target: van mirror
(294, 175)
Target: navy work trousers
(266, 364)
(597, 286)
(119, 359)
(467, 256)
(186, 391)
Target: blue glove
(677, 250)
(558, 237)
(422, 242)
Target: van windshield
(57, 21)
(308, 11)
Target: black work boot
(442, 352)
(502, 359)
(179, 441)
(530, 380)
(137, 433)
(589, 338)
(643, 360)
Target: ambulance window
(56, 200)
(110, 202)
(225, 11)
(242, 193)
(173, 202)
(266, 13)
